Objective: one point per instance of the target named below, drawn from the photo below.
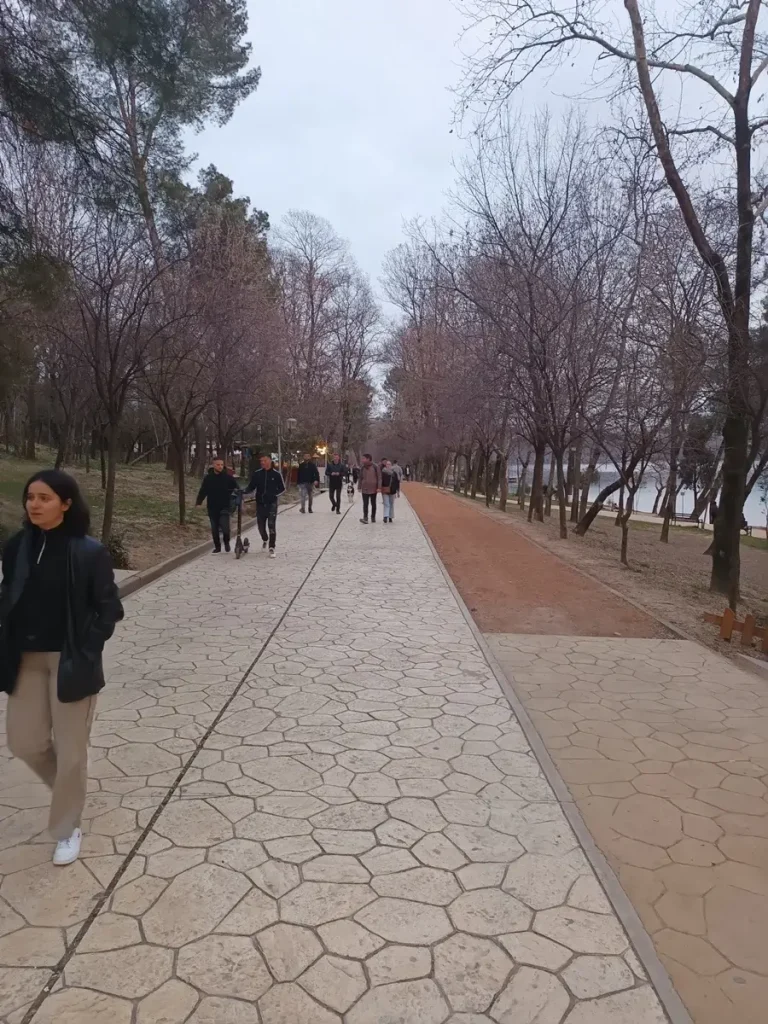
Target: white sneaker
(271, 552)
(68, 850)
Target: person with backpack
(308, 478)
(390, 488)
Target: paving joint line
(60, 967)
(639, 938)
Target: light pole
(291, 425)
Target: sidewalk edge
(155, 572)
(639, 938)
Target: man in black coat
(266, 485)
(217, 489)
(336, 473)
(307, 478)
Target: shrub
(117, 549)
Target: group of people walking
(222, 494)
(382, 478)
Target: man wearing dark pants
(266, 485)
(336, 473)
(308, 479)
(369, 486)
(217, 490)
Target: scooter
(242, 545)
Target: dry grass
(146, 507)
(670, 580)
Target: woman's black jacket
(93, 609)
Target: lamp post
(291, 425)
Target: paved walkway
(662, 742)
(310, 804)
(664, 746)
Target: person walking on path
(58, 607)
(308, 478)
(336, 473)
(390, 488)
(397, 469)
(266, 485)
(216, 490)
(369, 486)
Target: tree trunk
(591, 514)
(726, 553)
(620, 512)
(109, 471)
(64, 442)
(523, 480)
(588, 478)
(29, 442)
(625, 526)
(492, 480)
(659, 492)
(671, 506)
(576, 503)
(550, 484)
(177, 447)
(504, 482)
(103, 460)
(476, 470)
(199, 462)
(536, 508)
(562, 499)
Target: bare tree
(522, 38)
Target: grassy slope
(146, 510)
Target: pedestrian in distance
(398, 469)
(266, 485)
(336, 473)
(308, 478)
(217, 490)
(58, 607)
(369, 486)
(390, 488)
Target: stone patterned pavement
(664, 746)
(364, 836)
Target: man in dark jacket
(336, 473)
(266, 485)
(369, 486)
(217, 489)
(307, 478)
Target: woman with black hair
(58, 607)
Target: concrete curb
(155, 572)
(626, 913)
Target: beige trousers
(51, 738)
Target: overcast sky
(352, 118)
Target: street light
(291, 425)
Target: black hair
(367, 456)
(77, 518)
